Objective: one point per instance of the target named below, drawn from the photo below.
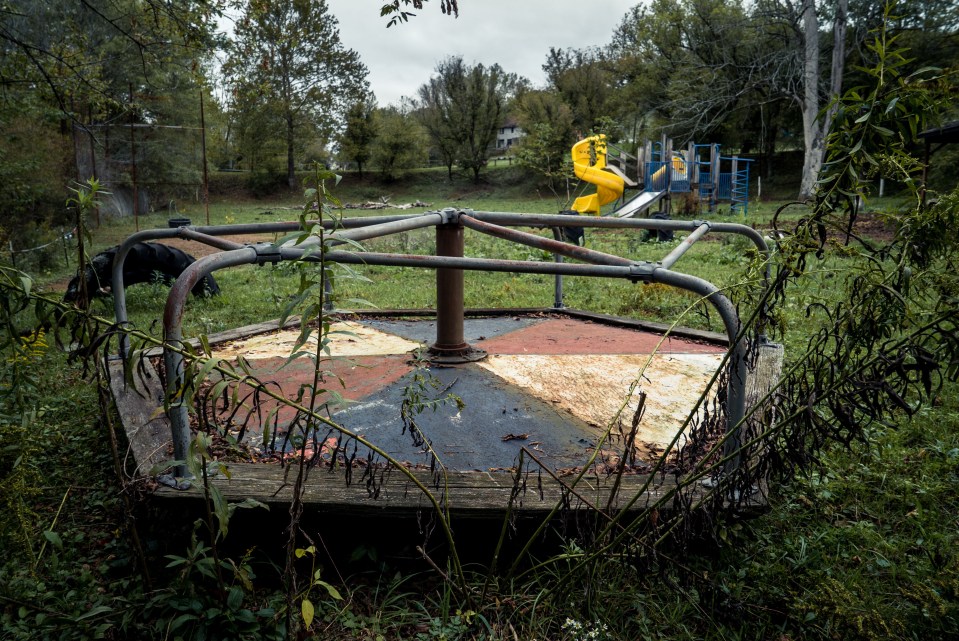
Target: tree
(399, 144)
(461, 107)
(437, 115)
(816, 121)
(287, 57)
(716, 58)
(356, 141)
(582, 78)
(55, 44)
(548, 123)
(691, 63)
(68, 69)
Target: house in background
(508, 134)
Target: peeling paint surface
(551, 383)
(474, 329)
(594, 388)
(346, 339)
(574, 336)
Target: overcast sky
(517, 34)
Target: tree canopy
(462, 106)
(292, 71)
(756, 76)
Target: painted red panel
(574, 336)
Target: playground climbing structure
(658, 172)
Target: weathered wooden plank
(474, 493)
(763, 377)
(140, 406)
(470, 493)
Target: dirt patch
(871, 225)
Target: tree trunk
(812, 159)
(290, 167)
(815, 125)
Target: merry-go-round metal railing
(449, 263)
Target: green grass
(864, 547)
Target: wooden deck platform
(468, 493)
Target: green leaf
(207, 368)
(246, 616)
(218, 388)
(251, 503)
(333, 591)
(53, 538)
(100, 609)
(180, 620)
(235, 598)
(205, 345)
(307, 610)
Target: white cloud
(513, 33)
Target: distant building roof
(510, 122)
(948, 133)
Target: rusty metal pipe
(177, 411)
(638, 271)
(557, 220)
(558, 279)
(119, 292)
(685, 246)
(375, 231)
(532, 240)
(206, 239)
(738, 346)
(449, 292)
(119, 288)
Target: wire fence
(47, 253)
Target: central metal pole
(451, 346)
(558, 283)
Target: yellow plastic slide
(609, 186)
(679, 170)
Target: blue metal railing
(731, 186)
